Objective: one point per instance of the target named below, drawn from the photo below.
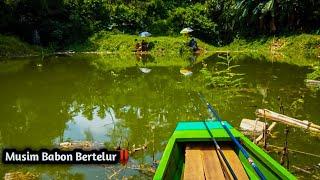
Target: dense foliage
(60, 22)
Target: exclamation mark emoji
(124, 156)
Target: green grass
(124, 43)
(315, 75)
(301, 49)
(11, 47)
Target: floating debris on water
(84, 145)
(252, 125)
(145, 70)
(114, 74)
(186, 72)
(20, 175)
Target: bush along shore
(11, 46)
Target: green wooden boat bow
(172, 162)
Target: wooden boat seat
(202, 162)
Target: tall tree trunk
(261, 24)
(272, 25)
(290, 21)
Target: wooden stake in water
(153, 149)
(285, 152)
(265, 133)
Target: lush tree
(61, 22)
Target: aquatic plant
(315, 75)
(224, 77)
(297, 107)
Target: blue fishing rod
(219, 152)
(239, 146)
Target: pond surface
(110, 100)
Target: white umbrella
(145, 34)
(186, 30)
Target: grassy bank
(301, 49)
(123, 43)
(12, 47)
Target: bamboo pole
(287, 120)
(259, 138)
(300, 169)
(295, 151)
(312, 82)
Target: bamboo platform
(202, 162)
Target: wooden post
(265, 135)
(285, 152)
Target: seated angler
(137, 46)
(193, 44)
(144, 45)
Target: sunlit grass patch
(124, 43)
(12, 46)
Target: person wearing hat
(193, 44)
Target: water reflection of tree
(148, 98)
(30, 113)
(42, 102)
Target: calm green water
(44, 102)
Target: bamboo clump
(288, 120)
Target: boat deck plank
(193, 164)
(235, 163)
(211, 164)
(202, 162)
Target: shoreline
(303, 49)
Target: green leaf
(268, 6)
